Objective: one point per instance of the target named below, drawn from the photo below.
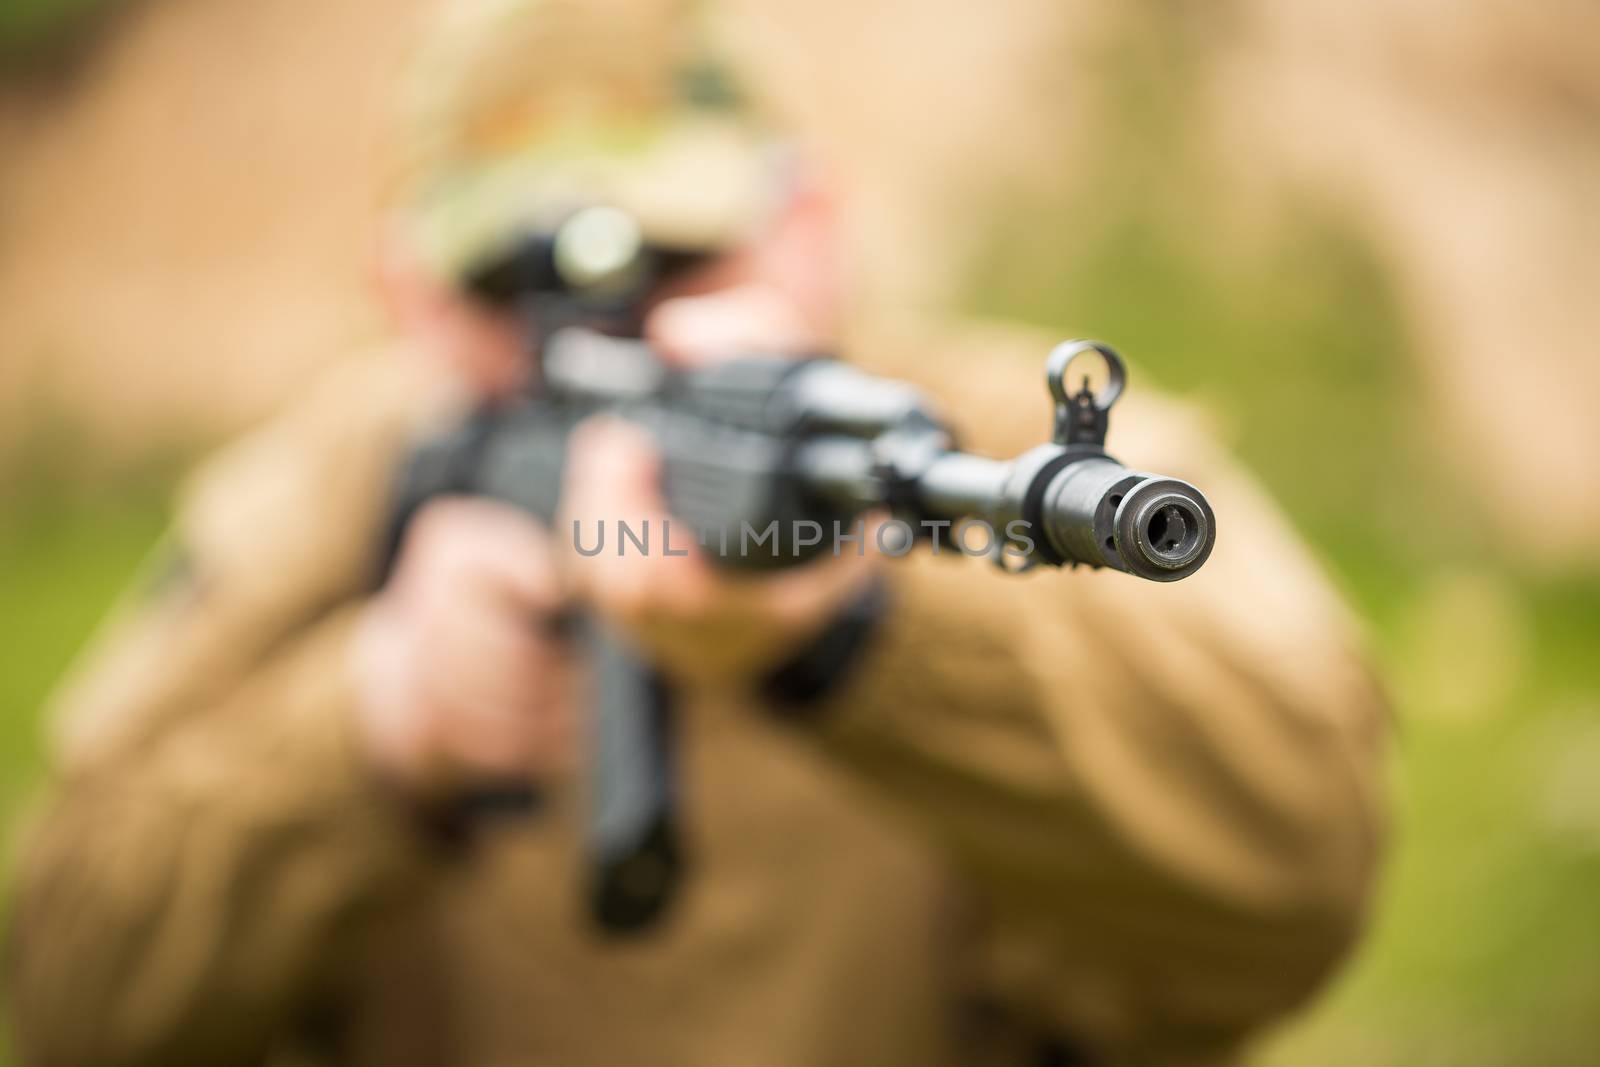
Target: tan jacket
(1143, 816)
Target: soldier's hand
(694, 620)
(461, 677)
(739, 320)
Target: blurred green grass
(26, 26)
(69, 543)
(65, 553)
(63, 557)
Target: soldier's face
(796, 261)
(779, 293)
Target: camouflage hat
(519, 112)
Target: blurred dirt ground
(186, 213)
(1362, 234)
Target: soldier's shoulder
(304, 489)
(273, 530)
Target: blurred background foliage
(28, 27)
(1297, 338)
(1486, 947)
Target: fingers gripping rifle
(777, 446)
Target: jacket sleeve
(173, 906)
(212, 841)
(1167, 796)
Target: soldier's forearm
(1222, 827)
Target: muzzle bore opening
(1170, 531)
(1173, 532)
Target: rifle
(769, 446)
